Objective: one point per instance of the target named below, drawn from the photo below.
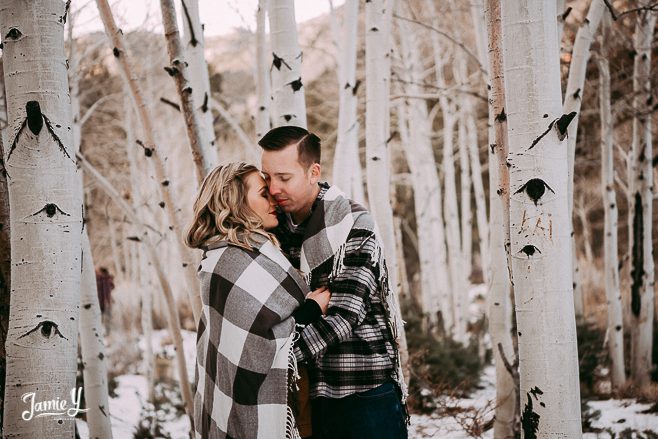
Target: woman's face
(260, 200)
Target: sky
(219, 16)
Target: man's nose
(274, 188)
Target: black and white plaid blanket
(326, 236)
(245, 364)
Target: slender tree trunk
(45, 216)
(642, 264)
(540, 223)
(288, 104)
(93, 350)
(172, 312)
(378, 71)
(92, 337)
(347, 142)
(5, 262)
(415, 132)
(263, 89)
(147, 324)
(610, 259)
(466, 212)
(500, 298)
(450, 206)
(194, 43)
(151, 151)
(179, 69)
(572, 102)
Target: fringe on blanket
(391, 307)
(293, 376)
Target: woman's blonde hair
(221, 211)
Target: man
(356, 385)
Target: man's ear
(316, 172)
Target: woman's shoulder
(224, 253)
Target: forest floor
(458, 417)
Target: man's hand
(321, 296)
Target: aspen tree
(45, 215)
(288, 104)
(572, 103)
(347, 141)
(500, 304)
(156, 161)
(378, 73)
(539, 222)
(194, 45)
(641, 191)
(263, 92)
(610, 259)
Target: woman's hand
(321, 296)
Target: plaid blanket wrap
(245, 364)
(326, 234)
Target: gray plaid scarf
(245, 365)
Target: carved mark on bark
(148, 152)
(536, 141)
(529, 250)
(204, 106)
(50, 209)
(501, 117)
(34, 117)
(278, 61)
(14, 34)
(356, 87)
(172, 104)
(535, 188)
(116, 52)
(563, 123)
(296, 85)
(288, 117)
(133, 238)
(62, 19)
(34, 120)
(48, 330)
(637, 254)
(193, 40)
(566, 13)
(172, 71)
(529, 420)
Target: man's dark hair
(308, 144)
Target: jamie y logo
(52, 407)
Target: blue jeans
(376, 414)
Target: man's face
(292, 186)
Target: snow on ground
(460, 418)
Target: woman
(251, 297)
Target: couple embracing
(298, 331)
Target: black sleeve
(308, 312)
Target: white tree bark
(93, 349)
(610, 251)
(572, 102)
(540, 222)
(155, 161)
(450, 206)
(91, 330)
(179, 69)
(500, 305)
(45, 216)
(263, 89)
(347, 141)
(465, 184)
(172, 311)
(288, 104)
(642, 264)
(194, 43)
(478, 189)
(378, 73)
(415, 132)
